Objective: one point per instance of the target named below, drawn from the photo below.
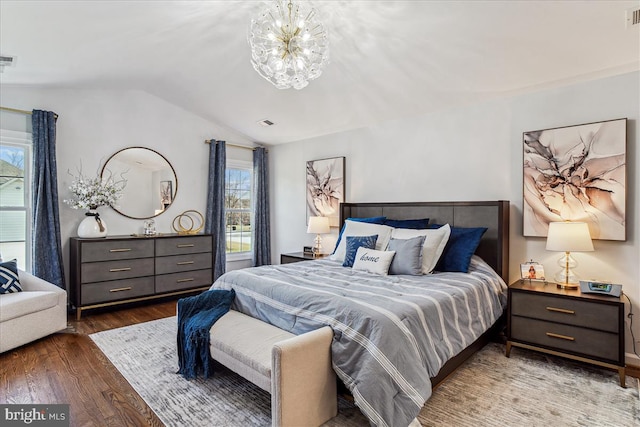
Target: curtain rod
(16, 110)
(208, 141)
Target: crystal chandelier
(289, 45)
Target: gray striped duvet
(391, 333)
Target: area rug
(527, 389)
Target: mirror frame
(175, 190)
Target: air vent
(6, 61)
(632, 18)
(266, 123)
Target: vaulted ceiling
(389, 59)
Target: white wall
(94, 124)
(469, 153)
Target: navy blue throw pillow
(355, 242)
(461, 246)
(9, 281)
(412, 224)
(371, 220)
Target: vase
(92, 226)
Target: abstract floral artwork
(325, 188)
(576, 173)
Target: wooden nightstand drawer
(564, 310)
(574, 339)
(299, 256)
(567, 323)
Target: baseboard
(632, 359)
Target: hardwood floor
(67, 367)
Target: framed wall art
(166, 193)
(576, 173)
(325, 188)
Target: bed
(394, 336)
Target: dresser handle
(562, 337)
(561, 310)
(120, 250)
(120, 289)
(116, 270)
(184, 280)
(185, 245)
(185, 262)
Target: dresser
(122, 269)
(568, 323)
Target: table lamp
(318, 225)
(568, 237)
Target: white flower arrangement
(91, 193)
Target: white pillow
(373, 261)
(355, 228)
(436, 240)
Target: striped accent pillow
(9, 281)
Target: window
(238, 185)
(15, 198)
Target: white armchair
(39, 310)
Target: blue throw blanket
(196, 315)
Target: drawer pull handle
(120, 250)
(115, 270)
(185, 245)
(562, 337)
(185, 262)
(128, 288)
(561, 310)
(184, 280)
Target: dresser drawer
(587, 342)
(118, 249)
(95, 293)
(183, 245)
(184, 280)
(564, 310)
(114, 270)
(176, 263)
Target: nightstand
(299, 256)
(567, 323)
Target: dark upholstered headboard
(494, 246)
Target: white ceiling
(389, 59)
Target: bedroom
(100, 114)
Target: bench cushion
(245, 343)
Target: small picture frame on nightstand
(532, 271)
(307, 250)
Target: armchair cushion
(39, 310)
(9, 281)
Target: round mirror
(151, 181)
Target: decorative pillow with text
(373, 261)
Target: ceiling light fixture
(289, 45)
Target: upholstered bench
(295, 369)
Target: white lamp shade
(569, 237)
(318, 225)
